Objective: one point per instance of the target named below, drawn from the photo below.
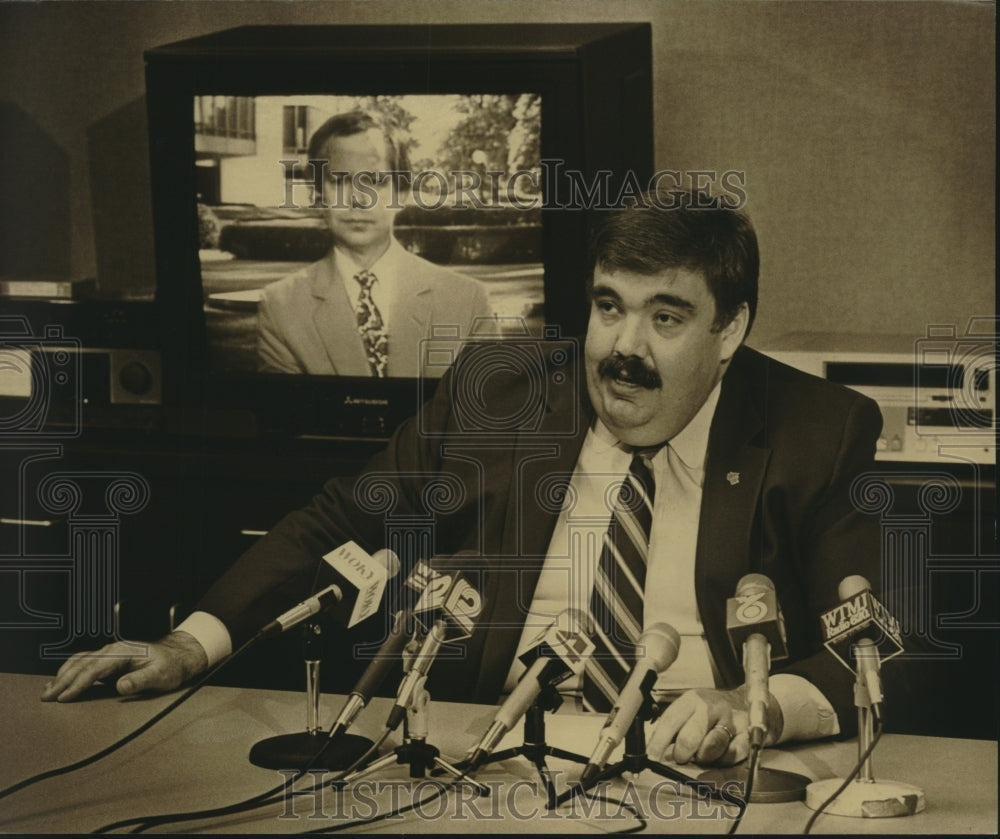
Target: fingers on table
(82, 670)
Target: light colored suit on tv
(307, 324)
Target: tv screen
(470, 201)
(511, 136)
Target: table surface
(197, 757)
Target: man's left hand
(709, 726)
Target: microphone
(860, 631)
(355, 595)
(660, 643)
(559, 652)
(866, 654)
(385, 659)
(455, 604)
(418, 581)
(754, 620)
(869, 623)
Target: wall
(866, 131)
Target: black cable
(748, 788)
(851, 776)
(336, 828)
(643, 822)
(128, 738)
(271, 796)
(374, 747)
(145, 822)
(393, 813)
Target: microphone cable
(399, 811)
(851, 776)
(128, 738)
(643, 822)
(263, 799)
(748, 790)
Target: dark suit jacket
(483, 469)
(306, 322)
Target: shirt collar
(690, 444)
(385, 268)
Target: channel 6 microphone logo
(39, 381)
(506, 382)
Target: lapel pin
(733, 478)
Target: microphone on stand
(559, 652)
(391, 651)
(861, 631)
(355, 594)
(757, 633)
(388, 655)
(757, 630)
(660, 644)
(446, 610)
(447, 607)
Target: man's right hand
(155, 666)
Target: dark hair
(683, 230)
(357, 122)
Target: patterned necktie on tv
(617, 599)
(370, 325)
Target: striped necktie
(370, 325)
(616, 601)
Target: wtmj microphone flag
(859, 615)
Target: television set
(516, 135)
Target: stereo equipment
(70, 365)
(937, 393)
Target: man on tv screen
(688, 462)
(364, 308)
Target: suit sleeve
(285, 565)
(841, 540)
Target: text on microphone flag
(861, 615)
(364, 572)
(450, 596)
(572, 648)
(432, 585)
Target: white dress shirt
(574, 553)
(388, 288)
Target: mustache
(629, 368)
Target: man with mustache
(747, 467)
(364, 308)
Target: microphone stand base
(866, 800)
(769, 787)
(296, 751)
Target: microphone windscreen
(389, 560)
(660, 643)
(852, 586)
(752, 582)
